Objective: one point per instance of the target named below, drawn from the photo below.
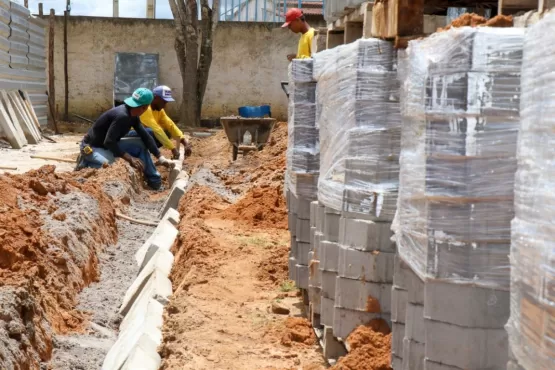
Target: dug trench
(233, 307)
(58, 235)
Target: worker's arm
(167, 124)
(147, 139)
(118, 128)
(147, 118)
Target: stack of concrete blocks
(4, 32)
(458, 160)
(531, 327)
(303, 164)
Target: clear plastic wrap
(461, 99)
(358, 114)
(303, 150)
(531, 327)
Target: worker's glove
(175, 153)
(163, 161)
(188, 150)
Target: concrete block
(153, 279)
(329, 258)
(144, 308)
(312, 235)
(178, 190)
(413, 355)
(368, 266)
(466, 348)
(416, 289)
(292, 269)
(292, 224)
(326, 311)
(430, 365)
(172, 216)
(318, 238)
(397, 337)
(331, 226)
(315, 297)
(399, 301)
(294, 201)
(345, 320)
(315, 277)
(466, 305)
(303, 230)
(313, 213)
(401, 273)
(366, 235)
(302, 276)
(144, 333)
(363, 296)
(303, 249)
(320, 217)
(303, 209)
(162, 238)
(333, 349)
(396, 363)
(144, 357)
(329, 279)
(415, 328)
(511, 365)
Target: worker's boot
(80, 163)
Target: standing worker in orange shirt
(296, 22)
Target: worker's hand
(175, 153)
(163, 161)
(188, 148)
(136, 163)
(290, 57)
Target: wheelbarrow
(247, 134)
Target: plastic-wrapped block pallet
(531, 327)
(303, 151)
(461, 97)
(357, 111)
(37, 63)
(4, 32)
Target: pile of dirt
(298, 330)
(370, 348)
(475, 20)
(275, 269)
(53, 226)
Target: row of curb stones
(143, 304)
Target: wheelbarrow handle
(283, 84)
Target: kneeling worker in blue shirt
(104, 142)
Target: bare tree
(193, 45)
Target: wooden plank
(14, 134)
(353, 32)
(334, 39)
(7, 106)
(27, 126)
(392, 18)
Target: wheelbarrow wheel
(235, 152)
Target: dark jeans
(133, 133)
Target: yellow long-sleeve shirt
(305, 45)
(159, 121)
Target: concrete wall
(248, 65)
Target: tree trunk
(193, 47)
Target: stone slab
(466, 305)
(368, 266)
(415, 329)
(329, 256)
(329, 279)
(401, 273)
(162, 238)
(302, 232)
(177, 192)
(303, 249)
(331, 226)
(415, 288)
(466, 348)
(399, 301)
(302, 276)
(397, 337)
(396, 363)
(303, 208)
(292, 269)
(363, 296)
(326, 311)
(430, 365)
(413, 355)
(366, 235)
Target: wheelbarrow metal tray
(259, 128)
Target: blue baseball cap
(142, 96)
(164, 92)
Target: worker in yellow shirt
(296, 22)
(160, 126)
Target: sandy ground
(231, 265)
(66, 147)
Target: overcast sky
(102, 8)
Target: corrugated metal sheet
(23, 55)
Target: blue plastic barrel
(255, 112)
